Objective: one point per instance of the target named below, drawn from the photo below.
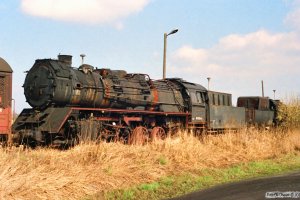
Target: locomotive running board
(124, 111)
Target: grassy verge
(173, 186)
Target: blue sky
(237, 43)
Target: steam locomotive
(86, 103)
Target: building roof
(4, 66)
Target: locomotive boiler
(86, 103)
(56, 83)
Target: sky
(237, 43)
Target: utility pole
(262, 88)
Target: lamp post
(274, 93)
(82, 58)
(208, 81)
(165, 50)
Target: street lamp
(274, 93)
(165, 50)
(208, 80)
(82, 58)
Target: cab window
(193, 96)
(199, 97)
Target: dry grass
(89, 169)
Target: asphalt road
(251, 189)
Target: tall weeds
(91, 168)
(289, 113)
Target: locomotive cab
(195, 99)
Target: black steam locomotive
(86, 103)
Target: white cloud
(84, 11)
(237, 63)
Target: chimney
(67, 59)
